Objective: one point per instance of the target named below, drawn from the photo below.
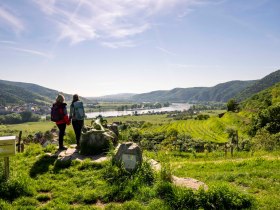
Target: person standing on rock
(60, 117)
(77, 115)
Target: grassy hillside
(262, 100)
(20, 92)
(259, 85)
(10, 94)
(212, 130)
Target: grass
(40, 181)
(256, 174)
(214, 129)
(154, 119)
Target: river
(172, 107)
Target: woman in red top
(61, 124)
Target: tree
(232, 105)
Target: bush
(124, 185)
(33, 150)
(224, 197)
(15, 187)
(217, 197)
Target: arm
(71, 111)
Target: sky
(103, 47)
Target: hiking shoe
(62, 148)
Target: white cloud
(10, 19)
(80, 20)
(165, 51)
(7, 42)
(33, 52)
(121, 44)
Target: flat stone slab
(189, 183)
(182, 182)
(73, 154)
(155, 165)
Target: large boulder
(95, 139)
(130, 155)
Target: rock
(130, 155)
(96, 139)
(95, 142)
(189, 183)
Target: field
(257, 174)
(246, 180)
(212, 130)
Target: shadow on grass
(41, 166)
(61, 164)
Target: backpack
(78, 110)
(57, 113)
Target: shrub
(33, 150)
(224, 197)
(124, 185)
(15, 187)
(43, 197)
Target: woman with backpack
(60, 117)
(77, 115)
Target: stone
(96, 139)
(129, 154)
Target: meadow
(248, 180)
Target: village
(27, 107)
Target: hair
(75, 97)
(60, 98)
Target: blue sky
(101, 47)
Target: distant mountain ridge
(259, 85)
(113, 97)
(20, 93)
(222, 92)
(219, 93)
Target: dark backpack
(57, 113)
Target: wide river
(172, 107)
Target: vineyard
(214, 129)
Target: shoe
(62, 148)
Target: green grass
(214, 129)
(40, 181)
(256, 174)
(154, 119)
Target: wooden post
(22, 147)
(225, 149)
(19, 139)
(6, 167)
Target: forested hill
(20, 92)
(10, 94)
(220, 93)
(262, 100)
(259, 85)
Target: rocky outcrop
(130, 155)
(96, 139)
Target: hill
(220, 93)
(262, 100)
(20, 92)
(113, 97)
(10, 94)
(259, 85)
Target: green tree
(232, 105)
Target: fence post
(6, 167)
(19, 139)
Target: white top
(8, 138)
